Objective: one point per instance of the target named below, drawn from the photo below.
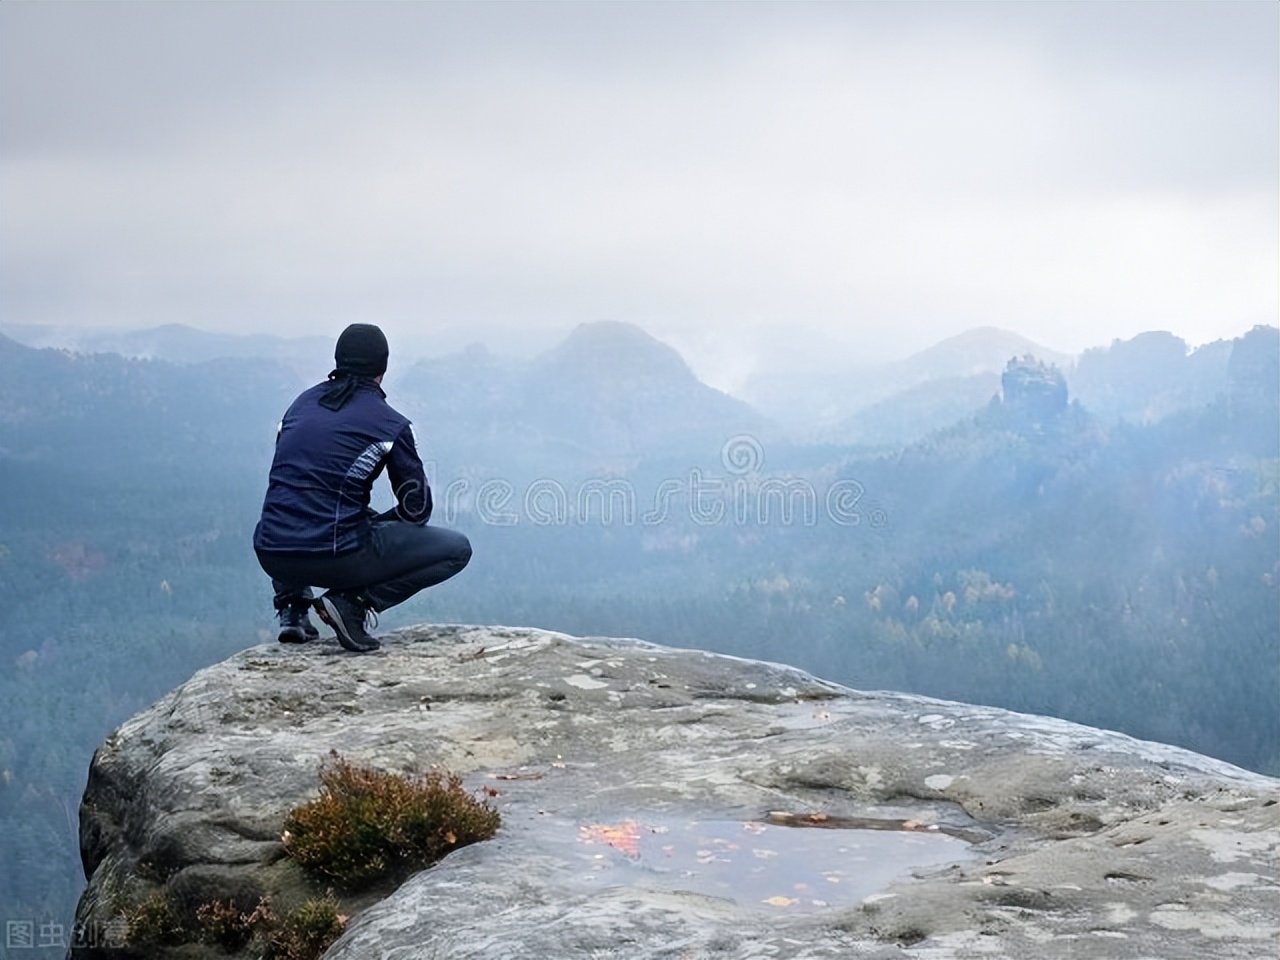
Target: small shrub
(226, 925)
(305, 933)
(152, 922)
(368, 825)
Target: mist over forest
(1095, 537)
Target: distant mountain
(462, 405)
(611, 386)
(606, 398)
(105, 412)
(1149, 377)
(616, 356)
(178, 343)
(1208, 421)
(829, 407)
(1253, 370)
(917, 411)
(609, 394)
(980, 350)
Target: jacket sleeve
(408, 480)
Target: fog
(763, 186)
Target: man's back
(325, 463)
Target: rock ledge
(1085, 843)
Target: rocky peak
(660, 802)
(1033, 391)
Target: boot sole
(330, 615)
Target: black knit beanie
(362, 350)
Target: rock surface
(1072, 842)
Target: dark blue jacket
(326, 461)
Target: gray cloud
(740, 179)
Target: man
(317, 527)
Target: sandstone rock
(1033, 392)
(636, 785)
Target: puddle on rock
(767, 865)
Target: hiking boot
(347, 616)
(296, 626)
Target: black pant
(400, 559)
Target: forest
(1116, 565)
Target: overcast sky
(754, 183)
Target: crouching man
(317, 528)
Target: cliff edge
(663, 803)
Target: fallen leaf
(781, 901)
(624, 836)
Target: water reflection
(768, 865)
